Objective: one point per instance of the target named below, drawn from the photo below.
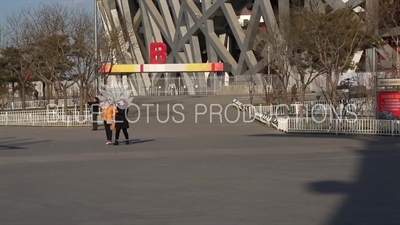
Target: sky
(10, 7)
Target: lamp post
(96, 63)
(397, 55)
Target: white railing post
(336, 126)
(287, 122)
(392, 125)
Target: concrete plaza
(196, 173)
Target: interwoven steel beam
(199, 31)
(372, 6)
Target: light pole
(96, 63)
(269, 67)
(397, 55)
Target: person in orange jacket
(108, 115)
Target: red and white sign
(158, 53)
(389, 102)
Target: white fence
(363, 109)
(341, 126)
(177, 90)
(46, 118)
(37, 104)
(331, 125)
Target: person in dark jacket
(94, 108)
(121, 121)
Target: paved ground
(196, 173)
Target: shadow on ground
(12, 143)
(374, 195)
(139, 141)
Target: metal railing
(314, 107)
(177, 90)
(365, 126)
(46, 118)
(370, 126)
(37, 104)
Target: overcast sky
(9, 7)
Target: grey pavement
(196, 173)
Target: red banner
(389, 105)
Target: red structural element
(217, 67)
(389, 102)
(158, 53)
(105, 68)
(29, 76)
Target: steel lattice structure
(198, 31)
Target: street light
(397, 55)
(96, 63)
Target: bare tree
(83, 53)
(267, 89)
(15, 49)
(280, 50)
(4, 81)
(61, 46)
(50, 48)
(251, 86)
(79, 50)
(110, 50)
(306, 64)
(54, 49)
(336, 37)
(86, 70)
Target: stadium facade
(198, 31)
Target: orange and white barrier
(163, 68)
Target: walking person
(121, 121)
(108, 113)
(94, 109)
(36, 98)
(36, 95)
